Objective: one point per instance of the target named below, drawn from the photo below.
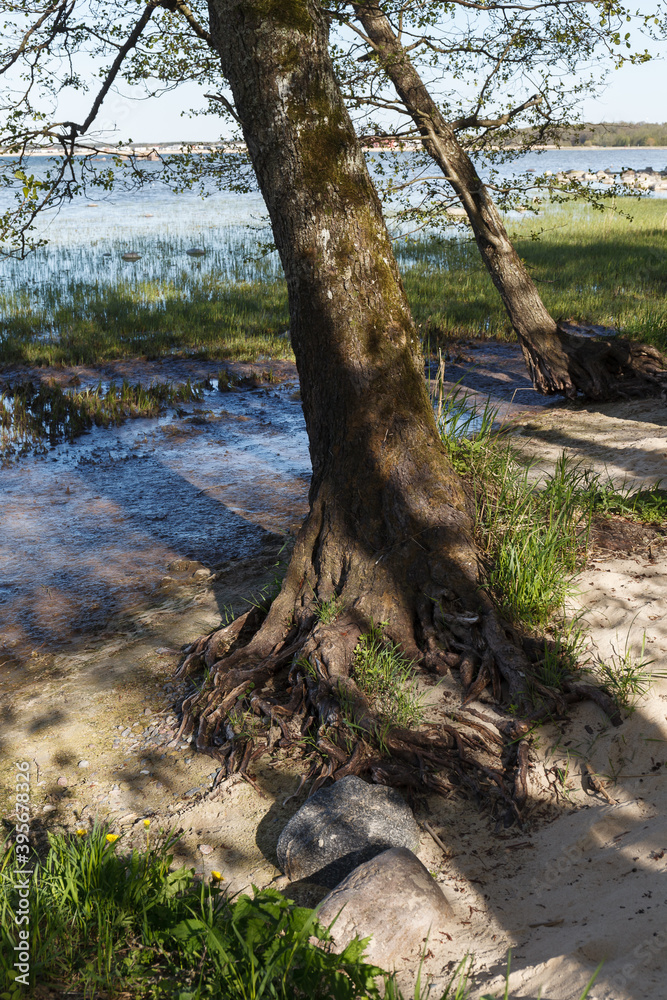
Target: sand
(582, 883)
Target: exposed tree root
(287, 680)
(579, 363)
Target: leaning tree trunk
(557, 360)
(388, 535)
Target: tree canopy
(497, 70)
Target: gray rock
(341, 826)
(395, 900)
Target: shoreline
(150, 151)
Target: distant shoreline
(149, 151)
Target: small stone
(131, 256)
(62, 781)
(205, 849)
(126, 732)
(48, 808)
(195, 252)
(148, 711)
(144, 772)
(202, 574)
(190, 792)
(341, 826)
(84, 763)
(394, 900)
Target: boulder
(341, 826)
(392, 898)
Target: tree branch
(130, 43)
(227, 104)
(474, 121)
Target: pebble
(205, 849)
(84, 763)
(126, 732)
(62, 781)
(48, 808)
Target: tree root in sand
(270, 686)
(580, 362)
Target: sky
(631, 93)
(634, 94)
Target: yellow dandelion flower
(111, 837)
(147, 823)
(81, 833)
(217, 876)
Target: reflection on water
(91, 530)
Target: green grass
(82, 323)
(532, 534)
(386, 678)
(102, 920)
(106, 922)
(589, 266)
(626, 676)
(534, 531)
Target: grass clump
(103, 921)
(386, 678)
(626, 675)
(328, 611)
(109, 923)
(33, 416)
(648, 505)
(533, 534)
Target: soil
(578, 884)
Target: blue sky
(634, 93)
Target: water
(87, 238)
(91, 530)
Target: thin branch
(18, 52)
(132, 39)
(223, 100)
(474, 121)
(186, 12)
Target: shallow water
(91, 530)
(89, 235)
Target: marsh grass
(34, 416)
(594, 267)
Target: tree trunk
(557, 360)
(388, 537)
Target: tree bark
(385, 504)
(388, 537)
(557, 360)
